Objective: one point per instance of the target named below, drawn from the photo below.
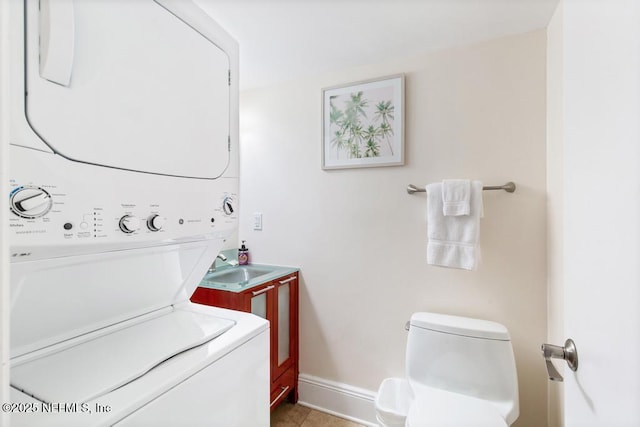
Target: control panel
(59, 216)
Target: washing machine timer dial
(129, 224)
(30, 202)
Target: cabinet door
(262, 301)
(284, 350)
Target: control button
(155, 222)
(68, 226)
(227, 205)
(129, 223)
(30, 202)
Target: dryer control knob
(155, 222)
(30, 202)
(227, 206)
(129, 223)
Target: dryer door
(127, 85)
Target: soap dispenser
(243, 254)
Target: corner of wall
(555, 289)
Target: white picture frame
(363, 124)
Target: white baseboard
(345, 401)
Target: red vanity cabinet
(276, 301)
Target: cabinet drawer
(281, 387)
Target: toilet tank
(463, 355)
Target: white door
(601, 231)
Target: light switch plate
(257, 221)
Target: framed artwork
(363, 124)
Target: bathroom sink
(239, 274)
(243, 277)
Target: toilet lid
(445, 409)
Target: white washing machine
(124, 180)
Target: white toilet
(460, 372)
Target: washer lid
(444, 409)
(96, 367)
(464, 326)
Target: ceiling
(284, 40)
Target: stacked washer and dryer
(124, 181)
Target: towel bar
(509, 187)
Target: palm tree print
(384, 112)
(372, 149)
(358, 127)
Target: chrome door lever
(568, 353)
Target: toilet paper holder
(568, 353)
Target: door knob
(568, 353)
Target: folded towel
(452, 241)
(456, 194)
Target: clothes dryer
(124, 188)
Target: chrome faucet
(213, 264)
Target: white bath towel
(452, 241)
(456, 196)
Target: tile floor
(290, 415)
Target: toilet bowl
(393, 401)
(459, 372)
(439, 408)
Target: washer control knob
(129, 224)
(227, 205)
(155, 222)
(30, 202)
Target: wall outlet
(257, 221)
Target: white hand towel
(452, 241)
(456, 195)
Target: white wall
(359, 238)
(598, 183)
(4, 185)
